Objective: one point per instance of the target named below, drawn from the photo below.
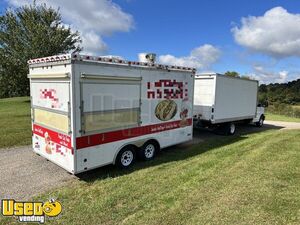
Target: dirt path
(24, 174)
(284, 125)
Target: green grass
(15, 122)
(249, 179)
(276, 117)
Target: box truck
(222, 101)
(90, 111)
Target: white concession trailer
(222, 101)
(90, 111)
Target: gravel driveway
(284, 125)
(24, 174)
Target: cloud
(93, 43)
(266, 76)
(92, 18)
(201, 57)
(276, 33)
(282, 77)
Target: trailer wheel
(148, 150)
(260, 122)
(126, 157)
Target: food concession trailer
(90, 111)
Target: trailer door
(204, 97)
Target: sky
(260, 39)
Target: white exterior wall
(204, 97)
(235, 99)
(58, 146)
(99, 155)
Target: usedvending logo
(30, 211)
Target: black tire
(260, 122)
(126, 157)
(148, 150)
(230, 129)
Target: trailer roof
(204, 75)
(107, 60)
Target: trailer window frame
(102, 79)
(56, 121)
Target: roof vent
(147, 57)
(151, 57)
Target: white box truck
(222, 101)
(89, 111)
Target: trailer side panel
(235, 99)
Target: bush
(283, 109)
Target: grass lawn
(275, 117)
(250, 179)
(15, 122)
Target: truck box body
(220, 99)
(86, 109)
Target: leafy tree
(31, 31)
(246, 77)
(232, 74)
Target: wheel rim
(127, 158)
(232, 128)
(149, 151)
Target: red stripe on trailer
(104, 138)
(58, 138)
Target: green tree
(31, 31)
(246, 77)
(232, 74)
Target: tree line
(286, 93)
(283, 99)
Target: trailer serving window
(50, 104)
(109, 103)
(51, 119)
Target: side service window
(50, 104)
(110, 104)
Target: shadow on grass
(203, 141)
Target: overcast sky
(257, 38)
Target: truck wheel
(260, 122)
(231, 129)
(126, 157)
(148, 150)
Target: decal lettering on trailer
(167, 89)
(112, 136)
(51, 95)
(53, 140)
